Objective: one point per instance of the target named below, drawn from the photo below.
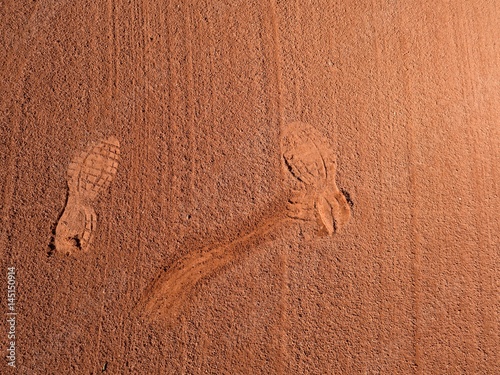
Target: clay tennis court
(250, 187)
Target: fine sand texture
(250, 187)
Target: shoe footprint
(89, 174)
(312, 163)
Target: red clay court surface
(148, 186)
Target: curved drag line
(172, 288)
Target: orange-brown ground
(198, 93)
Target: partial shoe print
(89, 174)
(312, 163)
(92, 171)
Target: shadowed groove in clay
(312, 164)
(88, 175)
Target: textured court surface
(198, 94)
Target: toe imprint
(92, 171)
